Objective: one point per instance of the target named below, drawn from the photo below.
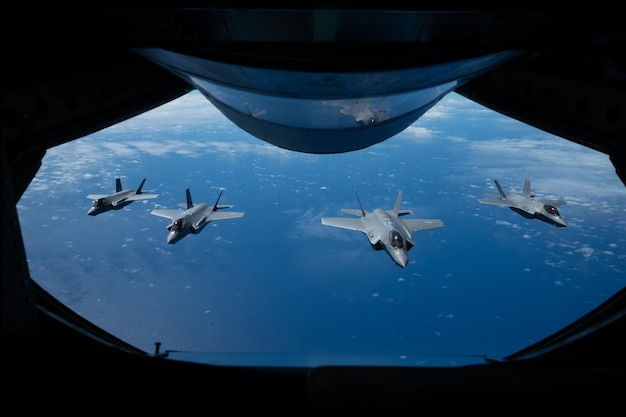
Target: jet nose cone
(172, 238)
(401, 258)
(92, 212)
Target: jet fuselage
(116, 201)
(385, 231)
(192, 222)
(531, 208)
(384, 228)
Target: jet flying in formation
(385, 229)
(120, 199)
(194, 218)
(529, 207)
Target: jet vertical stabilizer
(396, 207)
(526, 192)
(215, 206)
(360, 205)
(500, 192)
(189, 202)
(140, 186)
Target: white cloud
(586, 251)
(417, 134)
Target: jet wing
(554, 202)
(136, 197)
(415, 225)
(97, 196)
(353, 212)
(344, 223)
(132, 197)
(224, 215)
(168, 214)
(502, 203)
(216, 215)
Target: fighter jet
(529, 207)
(194, 218)
(384, 229)
(121, 198)
(361, 110)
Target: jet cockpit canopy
(395, 238)
(177, 225)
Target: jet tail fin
(118, 185)
(526, 192)
(189, 202)
(360, 205)
(140, 186)
(500, 192)
(396, 207)
(215, 206)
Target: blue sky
(277, 281)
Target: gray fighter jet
(384, 229)
(117, 201)
(529, 207)
(194, 218)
